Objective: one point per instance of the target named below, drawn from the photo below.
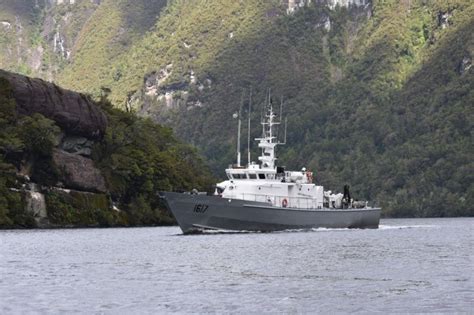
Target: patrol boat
(265, 197)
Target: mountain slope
(38, 36)
(110, 32)
(378, 94)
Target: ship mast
(248, 131)
(268, 141)
(239, 116)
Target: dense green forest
(377, 96)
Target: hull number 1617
(200, 208)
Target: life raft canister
(284, 203)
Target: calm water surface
(409, 265)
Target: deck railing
(283, 201)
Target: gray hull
(198, 212)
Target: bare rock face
(77, 145)
(465, 65)
(72, 111)
(78, 172)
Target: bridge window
(253, 176)
(261, 176)
(239, 176)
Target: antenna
(248, 140)
(262, 115)
(286, 121)
(268, 141)
(269, 96)
(281, 107)
(280, 118)
(238, 128)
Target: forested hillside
(378, 94)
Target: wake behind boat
(266, 197)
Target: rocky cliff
(47, 171)
(62, 163)
(294, 5)
(73, 112)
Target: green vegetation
(380, 98)
(103, 40)
(367, 100)
(80, 209)
(12, 205)
(398, 127)
(137, 158)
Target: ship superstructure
(273, 185)
(266, 197)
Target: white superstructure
(266, 197)
(265, 182)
